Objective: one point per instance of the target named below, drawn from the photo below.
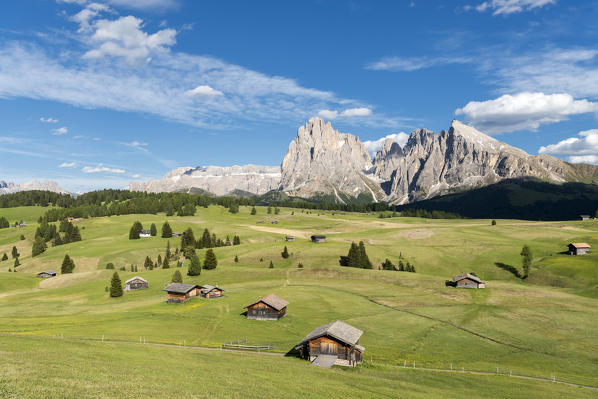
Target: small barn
(46, 274)
(177, 234)
(467, 280)
(209, 291)
(579, 248)
(145, 233)
(136, 283)
(318, 238)
(584, 217)
(289, 238)
(334, 343)
(270, 307)
(178, 292)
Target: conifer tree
(64, 223)
(205, 240)
(4, 257)
(526, 260)
(401, 266)
(271, 265)
(116, 287)
(135, 231)
(189, 252)
(67, 265)
(363, 257)
(269, 210)
(177, 277)
(110, 265)
(285, 252)
(234, 208)
(276, 211)
(300, 265)
(213, 241)
(253, 211)
(17, 263)
(166, 263)
(236, 258)
(387, 265)
(153, 230)
(166, 230)
(57, 240)
(15, 252)
(228, 242)
(74, 235)
(236, 240)
(353, 256)
(22, 237)
(194, 266)
(168, 254)
(210, 261)
(187, 239)
(39, 246)
(159, 262)
(148, 264)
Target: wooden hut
(584, 217)
(318, 238)
(46, 274)
(145, 233)
(467, 280)
(270, 307)
(209, 291)
(289, 238)
(136, 283)
(334, 343)
(178, 292)
(579, 248)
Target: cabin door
(328, 348)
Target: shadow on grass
(511, 269)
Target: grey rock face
(46, 185)
(323, 161)
(219, 180)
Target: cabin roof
(584, 216)
(207, 288)
(273, 301)
(318, 236)
(47, 272)
(135, 278)
(580, 245)
(179, 288)
(467, 276)
(145, 231)
(337, 329)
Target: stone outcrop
(46, 185)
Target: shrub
(110, 265)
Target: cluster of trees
(15, 255)
(422, 213)
(4, 223)
(357, 257)
(210, 262)
(207, 240)
(46, 232)
(276, 210)
(136, 230)
(35, 197)
(401, 267)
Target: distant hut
(178, 292)
(136, 283)
(467, 280)
(579, 248)
(209, 291)
(46, 274)
(177, 234)
(145, 233)
(270, 307)
(289, 238)
(584, 217)
(318, 238)
(334, 343)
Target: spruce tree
(401, 266)
(210, 261)
(74, 234)
(17, 263)
(109, 265)
(269, 210)
(177, 277)
(228, 242)
(187, 239)
(234, 208)
(189, 252)
(253, 211)
(15, 252)
(67, 265)
(57, 240)
(159, 262)
(363, 257)
(285, 252)
(387, 265)
(64, 223)
(148, 264)
(166, 230)
(276, 211)
(116, 287)
(236, 240)
(153, 230)
(39, 246)
(271, 265)
(353, 256)
(22, 237)
(135, 231)
(168, 254)
(166, 263)
(194, 266)
(236, 258)
(4, 257)
(300, 265)
(526, 254)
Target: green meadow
(543, 326)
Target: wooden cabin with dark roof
(334, 343)
(318, 238)
(46, 274)
(210, 291)
(579, 248)
(467, 280)
(270, 307)
(178, 292)
(136, 283)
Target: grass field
(543, 326)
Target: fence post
(414, 364)
(102, 337)
(510, 373)
(405, 364)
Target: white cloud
(60, 131)
(203, 91)
(374, 146)
(102, 169)
(523, 111)
(585, 144)
(136, 144)
(84, 16)
(48, 120)
(591, 159)
(124, 38)
(328, 114)
(67, 165)
(134, 4)
(136, 176)
(351, 112)
(408, 64)
(506, 7)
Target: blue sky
(98, 93)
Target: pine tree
(189, 252)
(253, 211)
(285, 252)
(526, 254)
(236, 258)
(387, 265)
(148, 264)
(401, 266)
(15, 252)
(353, 256)
(168, 254)
(110, 265)
(74, 234)
(228, 242)
(166, 263)
(39, 246)
(271, 265)
(135, 268)
(22, 237)
(57, 240)
(269, 210)
(363, 257)
(4, 257)
(210, 261)
(194, 266)
(236, 240)
(276, 211)
(205, 240)
(187, 239)
(300, 266)
(135, 231)
(153, 230)
(166, 230)
(234, 208)
(177, 277)
(116, 287)
(64, 223)
(17, 263)
(67, 265)
(159, 262)
(213, 241)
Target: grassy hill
(527, 199)
(542, 326)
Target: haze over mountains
(324, 162)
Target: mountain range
(321, 161)
(46, 185)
